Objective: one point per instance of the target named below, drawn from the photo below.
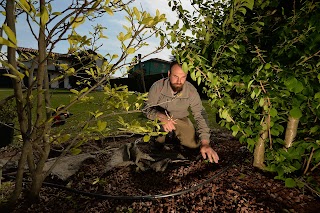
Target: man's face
(177, 78)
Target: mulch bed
(240, 187)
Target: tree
(53, 27)
(259, 61)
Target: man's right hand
(167, 122)
(168, 125)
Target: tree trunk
(18, 93)
(291, 131)
(259, 149)
(41, 123)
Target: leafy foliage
(258, 60)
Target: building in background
(145, 73)
(27, 56)
(58, 78)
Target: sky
(114, 26)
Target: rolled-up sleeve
(200, 116)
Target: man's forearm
(161, 117)
(205, 142)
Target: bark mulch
(233, 185)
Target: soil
(193, 185)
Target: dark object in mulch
(6, 132)
(60, 119)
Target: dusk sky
(113, 24)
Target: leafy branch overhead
(50, 25)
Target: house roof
(158, 60)
(30, 50)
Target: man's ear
(168, 73)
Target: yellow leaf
(95, 181)
(7, 43)
(11, 76)
(44, 16)
(11, 35)
(78, 21)
(136, 13)
(114, 56)
(74, 91)
(109, 11)
(24, 5)
(101, 125)
(146, 138)
(75, 151)
(98, 114)
(131, 50)
(127, 36)
(120, 36)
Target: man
(169, 100)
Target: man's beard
(176, 87)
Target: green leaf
(185, 67)
(146, 138)
(273, 112)
(295, 112)
(193, 76)
(253, 94)
(290, 183)
(317, 95)
(235, 130)
(232, 49)
(75, 151)
(243, 10)
(224, 113)
(261, 102)
(250, 83)
(316, 155)
(298, 87)
(199, 80)
(267, 66)
(249, 4)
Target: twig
(313, 168)
(308, 164)
(306, 59)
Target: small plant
(8, 112)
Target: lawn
(98, 101)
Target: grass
(81, 111)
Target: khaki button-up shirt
(177, 105)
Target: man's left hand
(207, 152)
